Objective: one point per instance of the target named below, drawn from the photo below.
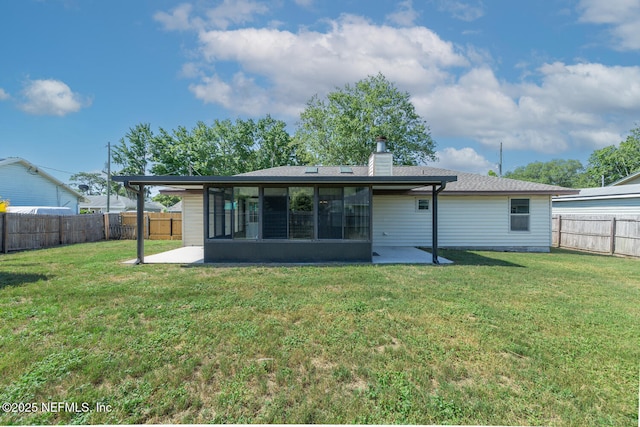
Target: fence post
(60, 234)
(559, 231)
(106, 226)
(5, 233)
(613, 235)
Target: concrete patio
(381, 255)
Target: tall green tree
(133, 152)
(565, 173)
(96, 182)
(224, 148)
(613, 163)
(342, 128)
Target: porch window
(330, 211)
(275, 210)
(519, 215)
(356, 213)
(245, 217)
(301, 212)
(220, 208)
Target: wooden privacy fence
(615, 235)
(27, 231)
(157, 226)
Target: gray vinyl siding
(192, 220)
(483, 222)
(612, 206)
(463, 222)
(29, 188)
(397, 223)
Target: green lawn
(497, 338)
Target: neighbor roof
(117, 202)
(617, 192)
(466, 184)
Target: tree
(133, 154)
(565, 173)
(166, 200)
(272, 144)
(614, 163)
(96, 182)
(224, 148)
(342, 129)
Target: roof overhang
(398, 183)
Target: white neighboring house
(27, 185)
(117, 204)
(620, 198)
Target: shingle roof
(467, 183)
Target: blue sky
(547, 79)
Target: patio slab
(382, 255)
(184, 255)
(403, 255)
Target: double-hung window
(519, 217)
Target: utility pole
(500, 163)
(108, 176)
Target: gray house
(620, 198)
(27, 185)
(339, 213)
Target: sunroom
(256, 219)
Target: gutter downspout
(139, 220)
(434, 222)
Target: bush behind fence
(26, 231)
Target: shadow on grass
(472, 258)
(19, 279)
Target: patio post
(140, 225)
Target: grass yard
(497, 338)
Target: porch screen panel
(220, 209)
(275, 213)
(301, 212)
(330, 213)
(245, 214)
(356, 213)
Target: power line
(57, 170)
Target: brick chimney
(381, 162)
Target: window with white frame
(422, 205)
(519, 217)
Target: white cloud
(556, 108)
(622, 16)
(51, 97)
(464, 160)
(297, 65)
(574, 105)
(405, 16)
(4, 95)
(225, 14)
(178, 19)
(463, 10)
